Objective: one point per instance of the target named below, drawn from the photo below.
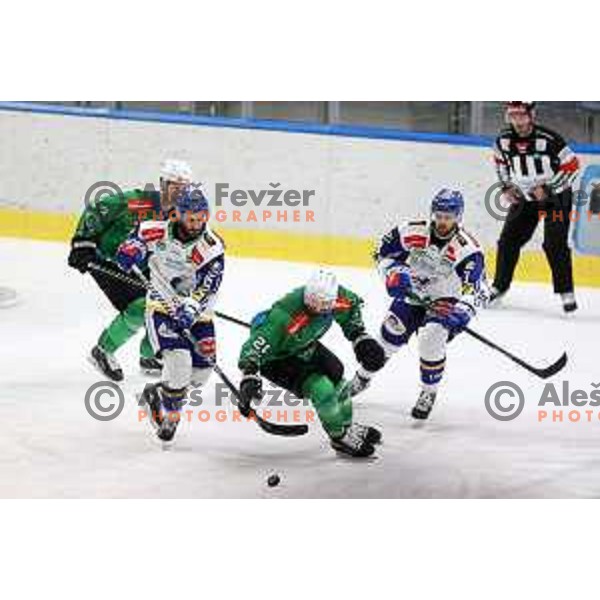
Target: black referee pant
(520, 224)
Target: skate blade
(151, 372)
(345, 456)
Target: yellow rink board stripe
(281, 245)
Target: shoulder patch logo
(415, 241)
(152, 234)
(299, 321)
(140, 204)
(196, 257)
(342, 304)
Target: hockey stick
(119, 276)
(543, 372)
(268, 426)
(232, 319)
(169, 296)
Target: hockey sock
(333, 404)
(172, 399)
(344, 400)
(123, 326)
(146, 350)
(432, 373)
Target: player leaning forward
(434, 271)
(186, 260)
(284, 348)
(103, 226)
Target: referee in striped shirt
(536, 169)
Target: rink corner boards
(288, 246)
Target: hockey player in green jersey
(104, 224)
(284, 348)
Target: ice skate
(106, 363)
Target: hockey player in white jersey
(187, 258)
(434, 271)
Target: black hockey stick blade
(543, 373)
(280, 428)
(553, 369)
(267, 426)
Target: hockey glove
(398, 281)
(539, 193)
(187, 312)
(511, 193)
(82, 253)
(369, 353)
(131, 253)
(250, 389)
(454, 316)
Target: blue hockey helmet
(192, 210)
(191, 200)
(449, 202)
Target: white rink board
(47, 162)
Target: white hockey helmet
(321, 291)
(176, 170)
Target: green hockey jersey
(109, 220)
(288, 328)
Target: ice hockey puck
(273, 480)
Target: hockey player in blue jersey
(187, 255)
(434, 271)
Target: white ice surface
(51, 447)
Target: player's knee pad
(177, 368)
(394, 333)
(200, 376)
(433, 338)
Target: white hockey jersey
(452, 268)
(193, 268)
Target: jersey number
(261, 345)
